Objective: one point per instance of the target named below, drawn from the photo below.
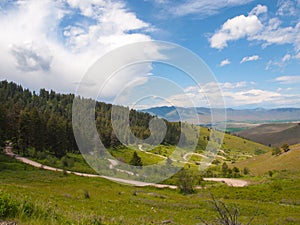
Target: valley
(42, 182)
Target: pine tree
(2, 125)
(136, 160)
(24, 131)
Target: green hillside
(267, 162)
(273, 134)
(235, 148)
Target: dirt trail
(185, 157)
(150, 153)
(8, 151)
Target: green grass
(125, 154)
(164, 150)
(267, 162)
(236, 148)
(73, 162)
(59, 199)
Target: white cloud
(240, 94)
(259, 9)
(287, 8)
(279, 63)
(297, 56)
(251, 27)
(199, 8)
(38, 51)
(225, 62)
(288, 79)
(32, 57)
(234, 29)
(236, 94)
(286, 58)
(250, 58)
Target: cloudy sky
(252, 47)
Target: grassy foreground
(34, 196)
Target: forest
(43, 121)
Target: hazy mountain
(233, 115)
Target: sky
(251, 47)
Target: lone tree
(136, 160)
(185, 182)
(285, 147)
(225, 168)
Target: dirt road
(8, 151)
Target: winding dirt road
(8, 151)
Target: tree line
(43, 121)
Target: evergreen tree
(224, 168)
(2, 125)
(136, 160)
(24, 131)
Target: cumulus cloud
(266, 31)
(259, 9)
(250, 58)
(236, 95)
(234, 29)
(49, 41)
(225, 62)
(32, 57)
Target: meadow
(35, 196)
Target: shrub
(185, 182)
(259, 152)
(276, 151)
(86, 194)
(227, 215)
(270, 173)
(285, 147)
(246, 171)
(41, 155)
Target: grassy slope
(263, 163)
(62, 200)
(237, 148)
(274, 134)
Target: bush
(285, 147)
(51, 160)
(227, 215)
(276, 151)
(31, 152)
(41, 155)
(86, 194)
(185, 182)
(246, 171)
(67, 162)
(259, 152)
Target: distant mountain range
(233, 115)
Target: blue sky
(252, 47)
